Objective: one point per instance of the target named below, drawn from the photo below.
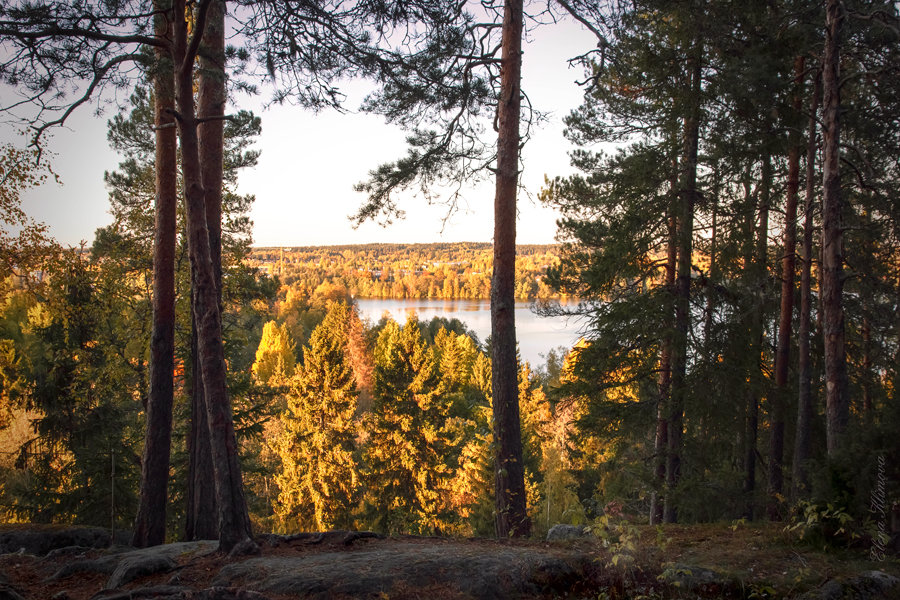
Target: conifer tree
(408, 445)
(456, 355)
(275, 357)
(837, 401)
(319, 477)
(150, 523)
(76, 367)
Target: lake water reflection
(536, 334)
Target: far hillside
(441, 271)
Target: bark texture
(511, 515)
(233, 518)
(785, 320)
(664, 379)
(685, 233)
(201, 521)
(757, 270)
(802, 439)
(837, 406)
(202, 509)
(150, 522)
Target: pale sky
(304, 181)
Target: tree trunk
(511, 517)
(150, 522)
(802, 440)
(896, 379)
(759, 275)
(211, 106)
(685, 232)
(234, 521)
(713, 272)
(783, 349)
(664, 379)
(837, 407)
(868, 406)
(200, 523)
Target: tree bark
(785, 320)
(211, 106)
(755, 340)
(713, 272)
(896, 379)
(511, 516)
(664, 379)
(685, 232)
(150, 522)
(201, 520)
(802, 439)
(837, 406)
(233, 518)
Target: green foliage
(275, 357)
(620, 537)
(823, 525)
(23, 242)
(616, 230)
(319, 471)
(79, 376)
(411, 434)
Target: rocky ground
(38, 563)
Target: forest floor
(697, 561)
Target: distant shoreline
(398, 245)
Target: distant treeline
(441, 271)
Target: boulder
(870, 585)
(567, 532)
(40, 541)
(701, 580)
(482, 572)
(156, 559)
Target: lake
(535, 334)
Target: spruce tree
(319, 476)
(407, 451)
(275, 356)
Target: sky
(304, 181)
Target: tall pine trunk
(664, 379)
(896, 379)
(785, 320)
(837, 406)
(511, 516)
(713, 267)
(233, 518)
(755, 340)
(685, 232)
(802, 438)
(201, 521)
(150, 522)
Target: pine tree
(150, 523)
(510, 495)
